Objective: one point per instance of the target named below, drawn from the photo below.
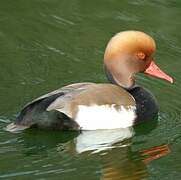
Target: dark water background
(47, 44)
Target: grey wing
(45, 107)
(55, 100)
(64, 103)
(42, 112)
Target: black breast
(146, 104)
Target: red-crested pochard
(91, 106)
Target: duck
(119, 103)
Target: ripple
(4, 120)
(63, 20)
(124, 16)
(55, 50)
(18, 174)
(55, 171)
(9, 141)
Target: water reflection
(102, 140)
(124, 163)
(112, 148)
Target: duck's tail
(15, 128)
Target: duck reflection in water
(112, 148)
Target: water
(47, 44)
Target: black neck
(146, 104)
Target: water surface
(47, 44)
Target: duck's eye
(141, 56)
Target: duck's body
(91, 106)
(88, 106)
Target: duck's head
(128, 53)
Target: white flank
(105, 117)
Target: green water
(47, 44)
